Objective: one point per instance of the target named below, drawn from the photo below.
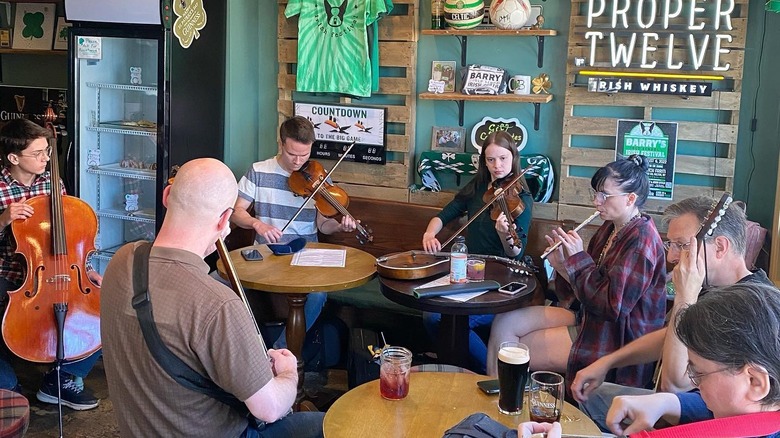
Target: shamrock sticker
(33, 25)
(542, 84)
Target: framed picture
(33, 26)
(61, 34)
(5, 37)
(448, 139)
(444, 71)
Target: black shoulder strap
(175, 367)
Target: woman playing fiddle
(619, 283)
(498, 162)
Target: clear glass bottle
(458, 261)
(437, 14)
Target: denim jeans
(79, 368)
(477, 347)
(311, 310)
(298, 425)
(598, 402)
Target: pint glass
(513, 358)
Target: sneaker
(74, 395)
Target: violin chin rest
(290, 247)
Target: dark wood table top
(400, 291)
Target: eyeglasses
(602, 197)
(669, 245)
(696, 377)
(38, 154)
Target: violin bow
(498, 193)
(319, 186)
(236, 283)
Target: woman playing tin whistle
(609, 295)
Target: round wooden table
(453, 339)
(436, 402)
(276, 274)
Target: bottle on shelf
(437, 14)
(458, 259)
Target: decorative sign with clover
(34, 26)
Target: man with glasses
(721, 263)
(730, 337)
(25, 155)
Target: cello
(55, 314)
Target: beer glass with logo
(546, 397)
(513, 358)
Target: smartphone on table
(251, 255)
(513, 288)
(488, 386)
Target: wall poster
(658, 142)
(336, 126)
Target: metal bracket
(537, 110)
(463, 39)
(540, 52)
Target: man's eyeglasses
(38, 154)
(602, 197)
(669, 245)
(696, 376)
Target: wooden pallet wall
(719, 138)
(398, 33)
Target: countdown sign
(338, 126)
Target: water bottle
(458, 259)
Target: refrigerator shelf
(143, 215)
(106, 253)
(119, 129)
(115, 169)
(145, 89)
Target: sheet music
(323, 258)
(445, 280)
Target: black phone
(513, 288)
(251, 255)
(488, 386)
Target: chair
(14, 414)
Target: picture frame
(448, 139)
(61, 34)
(33, 26)
(444, 71)
(5, 37)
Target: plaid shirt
(12, 266)
(621, 300)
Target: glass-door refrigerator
(141, 104)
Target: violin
(55, 314)
(504, 194)
(330, 200)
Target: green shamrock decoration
(63, 33)
(33, 25)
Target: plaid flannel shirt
(12, 266)
(621, 300)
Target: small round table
(276, 274)
(436, 402)
(453, 339)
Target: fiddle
(329, 200)
(505, 197)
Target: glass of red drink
(395, 364)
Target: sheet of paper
(323, 258)
(457, 297)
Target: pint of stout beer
(513, 358)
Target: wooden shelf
(463, 34)
(491, 32)
(33, 52)
(528, 98)
(459, 98)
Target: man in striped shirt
(265, 186)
